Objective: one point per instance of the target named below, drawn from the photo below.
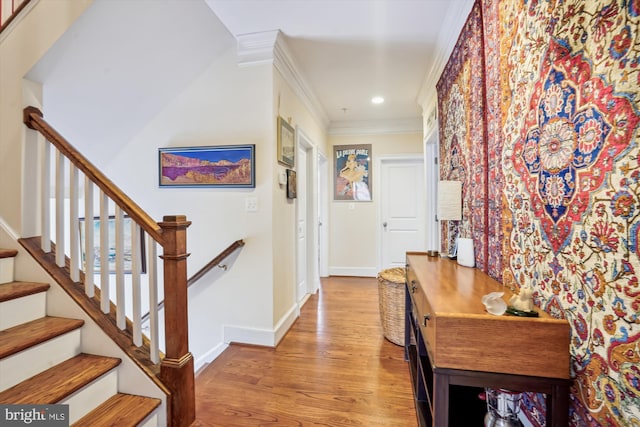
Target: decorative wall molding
(263, 337)
(353, 271)
(456, 17)
(256, 48)
(209, 356)
(376, 127)
(271, 47)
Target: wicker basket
(391, 284)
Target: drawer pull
(413, 286)
(425, 319)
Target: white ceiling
(147, 51)
(351, 50)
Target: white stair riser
(22, 310)
(6, 270)
(29, 362)
(90, 396)
(151, 420)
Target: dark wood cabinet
(455, 348)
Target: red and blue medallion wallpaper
(463, 152)
(561, 132)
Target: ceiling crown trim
(376, 127)
(256, 48)
(271, 47)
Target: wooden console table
(450, 339)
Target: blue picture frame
(223, 166)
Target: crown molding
(270, 47)
(256, 48)
(455, 19)
(284, 62)
(376, 127)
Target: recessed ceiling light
(377, 100)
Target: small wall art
(352, 172)
(111, 231)
(291, 184)
(286, 143)
(217, 166)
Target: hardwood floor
(333, 368)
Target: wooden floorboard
(333, 368)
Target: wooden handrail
(215, 261)
(13, 15)
(33, 119)
(176, 368)
(204, 270)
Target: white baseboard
(353, 271)
(264, 337)
(209, 356)
(286, 322)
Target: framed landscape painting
(94, 256)
(219, 166)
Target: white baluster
(89, 254)
(45, 195)
(60, 256)
(135, 283)
(120, 296)
(105, 301)
(74, 241)
(152, 273)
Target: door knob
(384, 224)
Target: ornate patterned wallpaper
(463, 153)
(562, 129)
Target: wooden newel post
(176, 369)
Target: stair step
(6, 265)
(8, 253)
(13, 290)
(18, 338)
(22, 302)
(60, 381)
(122, 410)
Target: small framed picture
(291, 184)
(94, 256)
(286, 143)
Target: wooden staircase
(41, 361)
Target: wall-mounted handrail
(33, 118)
(15, 11)
(215, 262)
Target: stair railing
(215, 262)
(9, 10)
(116, 251)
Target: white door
(323, 215)
(402, 210)
(301, 231)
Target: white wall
(21, 46)
(225, 105)
(353, 225)
(289, 106)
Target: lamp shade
(450, 200)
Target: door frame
(323, 216)
(378, 195)
(303, 142)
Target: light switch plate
(251, 204)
